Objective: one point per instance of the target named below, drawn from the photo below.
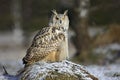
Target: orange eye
(57, 18)
(63, 18)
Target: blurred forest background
(94, 33)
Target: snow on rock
(64, 70)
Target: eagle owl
(51, 43)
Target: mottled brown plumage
(50, 44)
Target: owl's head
(59, 20)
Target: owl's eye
(63, 17)
(57, 18)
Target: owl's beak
(60, 21)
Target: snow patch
(105, 72)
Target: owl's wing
(46, 41)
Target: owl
(51, 43)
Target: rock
(64, 70)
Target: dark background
(93, 34)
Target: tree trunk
(27, 17)
(81, 28)
(17, 17)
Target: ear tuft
(54, 11)
(65, 12)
